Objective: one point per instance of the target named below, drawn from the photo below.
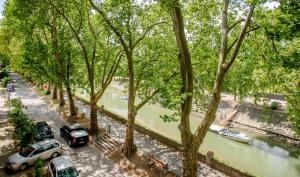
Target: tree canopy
(175, 53)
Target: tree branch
(274, 46)
(80, 15)
(234, 24)
(110, 24)
(236, 39)
(90, 25)
(241, 37)
(147, 99)
(146, 31)
(110, 76)
(76, 35)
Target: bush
(3, 73)
(38, 168)
(274, 106)
(14, 115)
(5, 81)
(16, 103)
(24, 127)
(46, 92)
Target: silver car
(62, 167)
(28, 155)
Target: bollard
(209, 156)
(108, 128)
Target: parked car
(28, 155)
(12, 95)
(74, 134)
(10, 87)
(62, 167)
(42, 131)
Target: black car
(42, 131)
(10, 88)
(74, 134)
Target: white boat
(215, 128)
(235, 135)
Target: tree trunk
(189, 162)
(73, 111)
(235, 94)
(129, 147)
(54, 93)
(61, 97)
(49, 88)
(93, 116)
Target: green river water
(261, 158)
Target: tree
(227, 55)
(47, 53)
(89, 40)
(130, 36)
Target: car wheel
(55, 154)
(23, 166)
(70, 143)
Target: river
(262, 158)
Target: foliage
(274, 105)
(46, 92)
(294, 109)
(77, 44)
(5, 81)
(4, 61)
(286, 21)
(38, 168)
(24, 127)
(16, 103)
(293, 98)
(3, 73)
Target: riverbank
(254, 118)
(270, 123)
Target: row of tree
(169, 51)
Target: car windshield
(42, 128)
(76, 127)
(26, 151)
(68, 172)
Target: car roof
(62, 162)
(40, 122)
(42, 143)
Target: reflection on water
(261, 158)
(275, 150)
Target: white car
(62, 167)
(28, 155)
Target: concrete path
(86, 158)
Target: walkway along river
(261, 158)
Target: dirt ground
(138, 165)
